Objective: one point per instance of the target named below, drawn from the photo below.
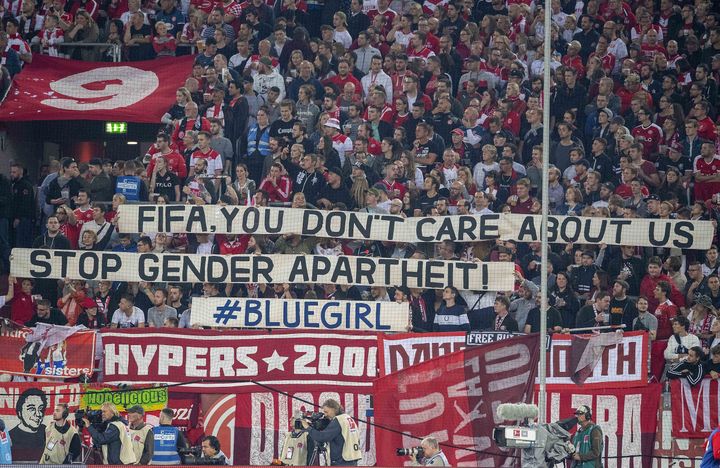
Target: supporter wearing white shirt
(377, 77)
(127, 315)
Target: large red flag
(453, 398)
(59, 89)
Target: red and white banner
(696, 410)
(264, 419)
(58, 89)
(672, 452)
(70, 358)
(453, 398)
(627, 417)
(223, 360)
(621, 365)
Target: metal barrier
(115, 49)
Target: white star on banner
(275, 361)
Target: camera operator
(115, 440)
(211, 450)
(62, 443)
(168, 441)
(431, 454)
(141, 435)
(342, 434)
(588, 441)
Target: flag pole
(542, 368)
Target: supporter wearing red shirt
(521, 202)
(204, 151)
(84, 212)
(191, 122)
(383, 9)
(650, 281)
(573, 59)
(648, 134)
(606, 58)
(706, 127)
(706, 169)
(665, 311)
(399, 74)
(23, 306)
(344, 76)
(176, 163)
(233, 244)
(418, 49)
(393, 188)
(652, 47)
(277, 185)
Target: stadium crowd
(415, 109)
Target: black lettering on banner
(684, 229)
(278, 224)
(466, 229)
(312, 222)
(666, 234)
(446, 230)
(111, 263)
(342, 269)
(197, 215)
(528, 228)
(219, 262)
(148, 268)
(239, 272)
(197, 270)
(250, 220)
(488, 230)
(356, 225)
(387, 264)
(620, 223)
(588, 235)
(419, 229)
(88, 259)
(262, 266)
(365, 270)
(485, 274)
(565, 227)
(229, 213)
(392, 220)
(408, 274)
(174, 213)
(465, 267)
(434, 272)
(552, 229)
(339, 229)
(299, 271)
(321, 266)
(146, 214)
(40, 258)
(64, 256)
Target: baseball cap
(582, 409)
(608, 185)
(137, 409)
(704, 300)
(610, 114)
(458, 131)
(652, 197)
(624, 284)
(379, 186)
(88, 303)
(516, 74)
(333, 123)
(473, 58)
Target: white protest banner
(308, 314)
(261, 269)
(682, 234)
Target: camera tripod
(318, 457)
(89, 455)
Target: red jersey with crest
(650, 137)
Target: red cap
(88, 303)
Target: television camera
(542, 445)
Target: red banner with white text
(71, 357)
(453, 397)
(696, 410)
(52, 88)
(214, 361)
(621, 365)
(628, 418)
(264, 419)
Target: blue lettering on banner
(309, 312)
(227, 312)
(253, 308)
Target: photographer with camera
(341, 433)
(211, 453)
(429, 454)
(115, 439)
(168, 440)
(62, 442)
(588, 441)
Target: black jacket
(55, 190)
(6, 210)
(23, 199)
(102, 188)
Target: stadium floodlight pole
(545, 188)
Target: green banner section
(151, 399)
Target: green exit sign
(115, 127)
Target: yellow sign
(151, 399)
